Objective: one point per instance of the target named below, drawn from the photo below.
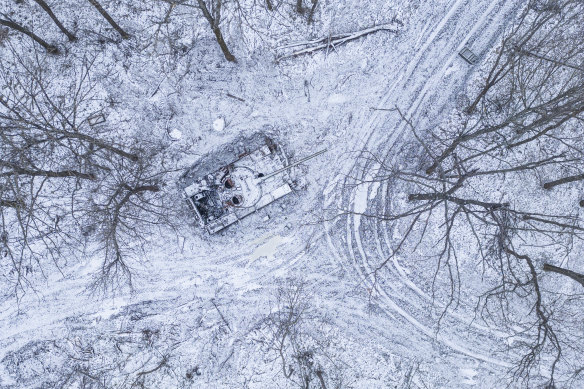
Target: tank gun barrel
(294, 164)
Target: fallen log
(337, 40)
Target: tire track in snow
(422, 97)
(355, 218)
(373, 122)
(353, 225)
(383, 228)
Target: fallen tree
(336, 40)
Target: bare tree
(301, 9)
(565, 272)
(126, 207)
(64, 182)
(291, 334)
(565, 180)
(514, 112)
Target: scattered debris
(468, 56)
(235, 97)
(96, 119)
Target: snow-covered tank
(222, 194)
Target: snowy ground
(383, 333)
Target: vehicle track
(399, 293)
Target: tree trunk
(223, 45)
(99, 143)
(214, 22)
(107, 17)
(312, 9)
(12, 203)
(51, 49)
(438, 196)
(565, 180)
(18, 170)
(321, 379)
(269, 5)
(568, 273)
(299, 7)
(48, 10)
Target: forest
(437, 243)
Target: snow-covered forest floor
(201, 309)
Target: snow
(337, 98)
(468, 375)
(219, 124)
(175, 134)
(268, 248)
(378, 329)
